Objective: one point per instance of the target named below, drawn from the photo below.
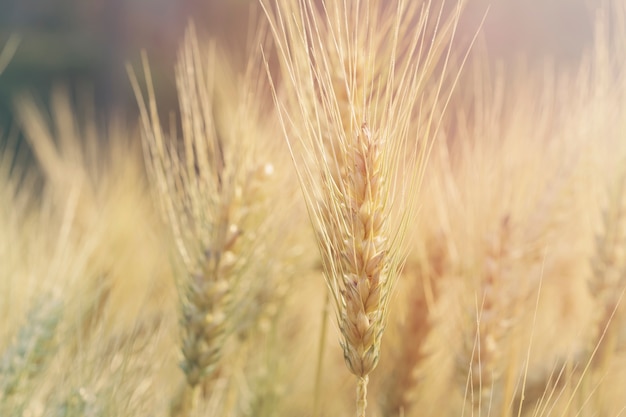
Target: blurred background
(85, 44)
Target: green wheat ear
(34, 345)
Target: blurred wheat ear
(195, 188)
(354, 74)
(216, 186)
(35, 344)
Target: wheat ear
(35, 344)
(355, 72)
(195, 187)
(216, 191)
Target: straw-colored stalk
(353, 73)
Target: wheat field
(367, 217)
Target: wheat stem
(361, 396)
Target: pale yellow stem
(361, 396)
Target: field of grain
(368, 217)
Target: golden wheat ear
(354, 74)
